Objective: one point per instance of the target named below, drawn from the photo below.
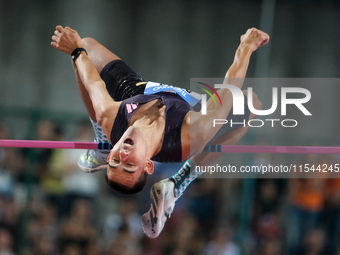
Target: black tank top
(175, 111)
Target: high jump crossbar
(54, 144)
(209, 148)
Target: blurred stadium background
(48, 206)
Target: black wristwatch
(75, 54)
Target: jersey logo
(131, 107)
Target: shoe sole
(157, 195)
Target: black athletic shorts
(121, 81)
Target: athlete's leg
(165, 193)
(204, 158)
(203, 133)
(100, 57)
(183, 179)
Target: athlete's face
(128, 157)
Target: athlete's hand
(66, 39)
(254, 38)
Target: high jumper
(143, 127)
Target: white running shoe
(93, 161)
(162, 205)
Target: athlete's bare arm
(250, 42)
(105, 109)
(201, 129)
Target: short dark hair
(123, 189)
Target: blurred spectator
(6, 242)
(331, 214)
(77, 183)
(187, 236)
(179, 252)
(222, 244)
(125, 243)
(268, 197)
(270, 247)
(42, 229)
(44, 246)
(78, 229)
(330, 218)
(268, 227)
(6, 165)
(72, 249)
(313, 243)
(9, 217)
(204, 199)
(267, 206)
(32, 163)
(44, 131)
(306, 199)
(127, 218)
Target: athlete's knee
(89, 42)
(92, 46)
